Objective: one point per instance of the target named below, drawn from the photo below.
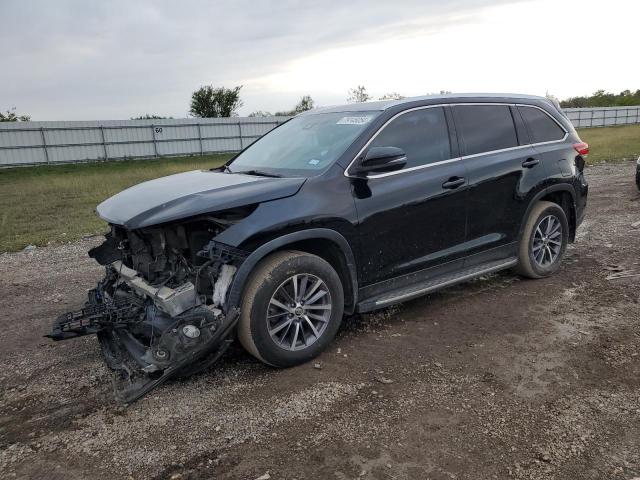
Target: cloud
(83, 60)
(78, 59)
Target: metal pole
(44, 144)
(240, 132)
(104, 144)
(200, 139)
(155, 145)
(591, 122)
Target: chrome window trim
(464, 157)
(491, 152)
(410, 169)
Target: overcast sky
(81, 60)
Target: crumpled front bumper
(134, 377)
(148, 334)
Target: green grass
(611, 143)
(55, 204)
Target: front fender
(241, 276)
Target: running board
(421, 288)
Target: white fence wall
(603, 116)
(32, 143)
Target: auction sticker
(354, 120)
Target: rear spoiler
(556, 105)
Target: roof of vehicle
(385, 104)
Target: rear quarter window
(542, 128)
(485, 128)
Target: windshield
(303, 146)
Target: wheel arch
(323, 242)
(563, 195)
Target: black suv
(339, 210)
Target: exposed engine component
(160, 309)
(191, 331)
(172, 301)
(222, 284)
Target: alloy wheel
(299, 312)
(547, 241)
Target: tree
(391, 96)
(146, 116)
(209, 102)
(358, 94)
(260, 113)
(600, 98)
(10, 116)
(305, 103)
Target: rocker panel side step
(432, 284)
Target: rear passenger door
(547, 136)
(502, 170)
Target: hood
(187, 194)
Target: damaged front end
(161, 310)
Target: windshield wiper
(260, 173)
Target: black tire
(266, 279)
(528, 265)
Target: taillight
(582, 148)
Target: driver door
(414, 218)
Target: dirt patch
(496, 378)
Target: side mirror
(382, 159)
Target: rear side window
(542, 128)
(485, 128)
(422, 134)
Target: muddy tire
(544, 241)
(291, 308)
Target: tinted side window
(422, 134)
(541, 127)
(485, 127)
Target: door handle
(530, 162)
(453, 182)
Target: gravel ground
(495, 378)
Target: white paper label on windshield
(354, 120)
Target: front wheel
(544, 241)
(291, 308)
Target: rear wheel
(544, 241)
(291, 309)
